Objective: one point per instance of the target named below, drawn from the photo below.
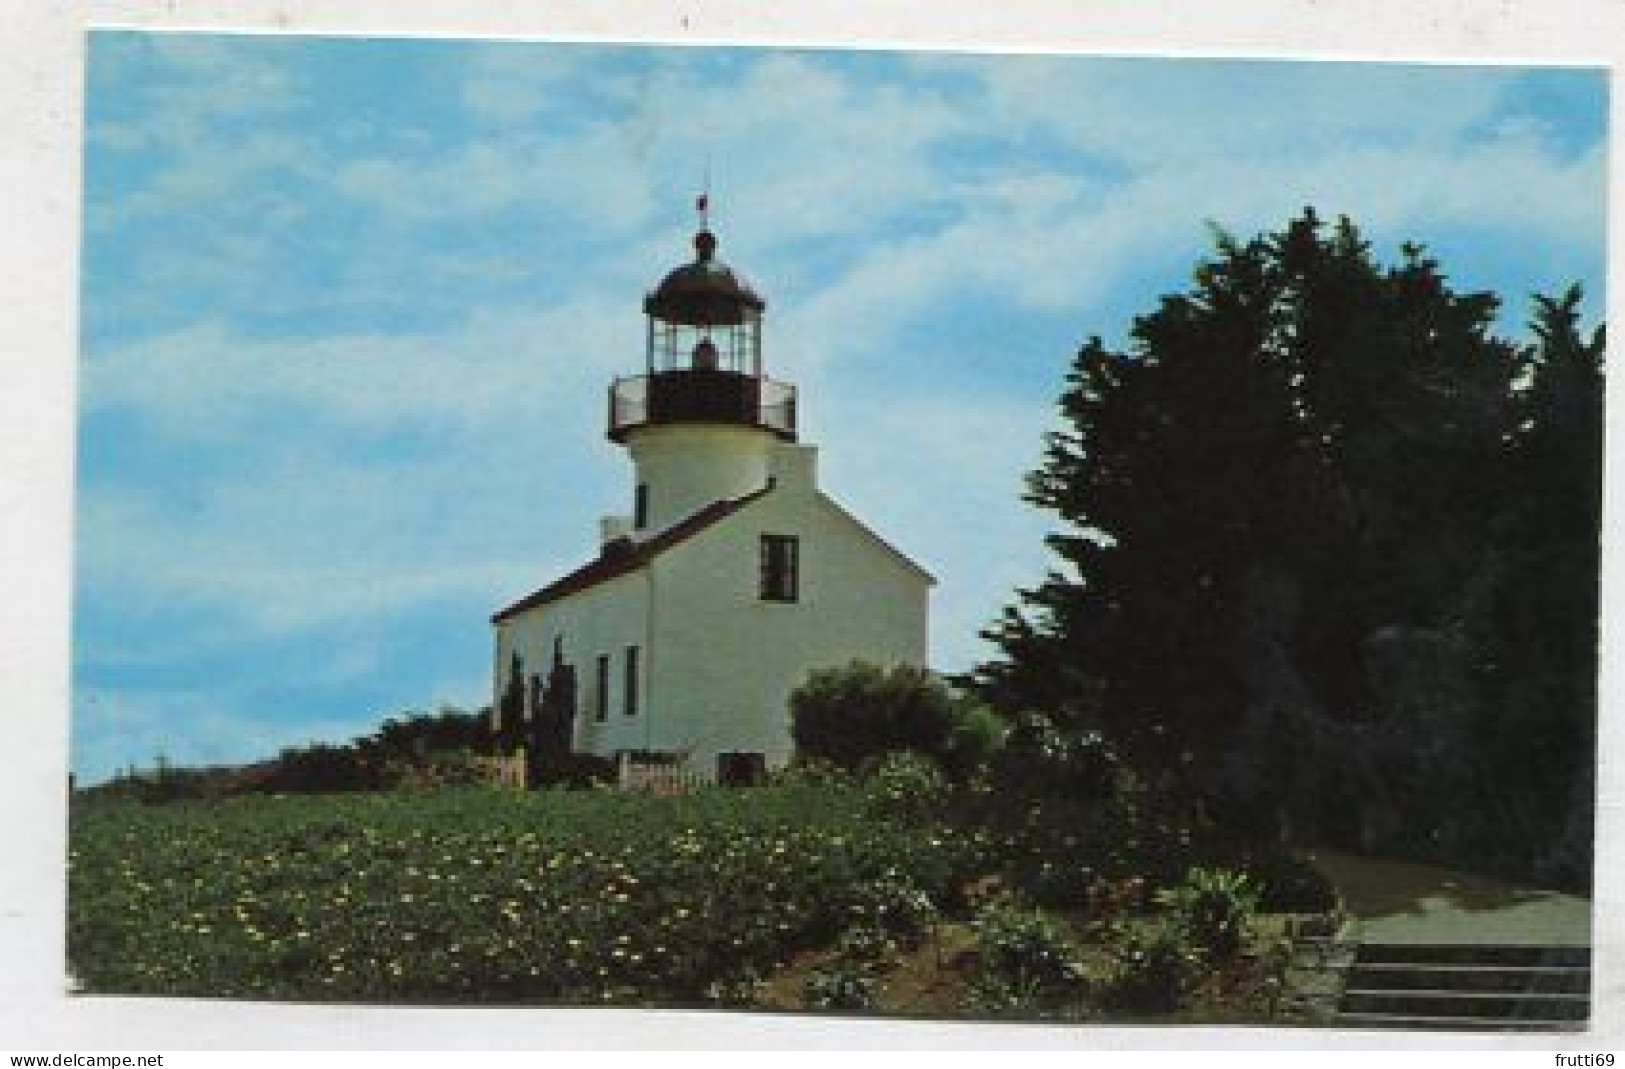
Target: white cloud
(318, 514)
(194, 96)
(492, 369)
(1159, 112)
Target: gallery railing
(690, 396)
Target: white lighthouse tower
(733, 577)
(702, 420)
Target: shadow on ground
(1399, 901)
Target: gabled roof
(620, 557)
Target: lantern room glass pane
(682, 347)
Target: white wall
(717, 662)
(689, 466)
(604, 619)
(725, 661)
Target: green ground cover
(479, 895)
(892, 892)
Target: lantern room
(703, 318)
(703, 359)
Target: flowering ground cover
(478, 895)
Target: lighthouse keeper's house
(733, 578)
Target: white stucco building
(733, 577)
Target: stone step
(1466, 1004)
(1561, 979)
(1472, 954)
(1318, 951)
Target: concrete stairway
(1466, 987)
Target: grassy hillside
(476, 894)
(837, 894)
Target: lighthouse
(729, 579)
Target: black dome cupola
(703, 360)
(704, 317)
(705, 294)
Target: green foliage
(1045, 762)
(573, 770)
(851, 717)
(323, 768)
(1214, 908)
(399, 752)
(976, 736)
(550, 758)
(1154, 969)
(1255, 595)
(1066, 814)
(810, 772)
(908, 787)
(162, 783)
(511, 708)
(413, 751)
(893, 907)
(1288, 883)
(1533, 635)
(437, 770)
(842, 986)
(414, 734)
(1025, 960)
(865, 945)
(1334, 456)
(997, 996)
(474, 895)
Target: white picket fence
(663, 777)
(656, 777)
(507, 770)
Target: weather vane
(702, 203)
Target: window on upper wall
(629, 688)
(780, 567)
(640, 507)
(600, 693)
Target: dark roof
(705, 292)
(624, 555)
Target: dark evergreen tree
(510, 727)
(551, 732)
(1534, 636)
(1167, 453)
(1286, 532)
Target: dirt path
(1404, 902)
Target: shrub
(892, 906)
(1288, 883)
(865, 944)
(1155, 966)
(1038, 760)
(737, 990)
(1023, 952)
(976, 735)
(998, 997)
(321, 768)
(907, 787)
(850, 716)
(574, 770)
(809, 772)
(1214, 906)
(840, 987)
(440, 770)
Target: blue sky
(350, 305)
